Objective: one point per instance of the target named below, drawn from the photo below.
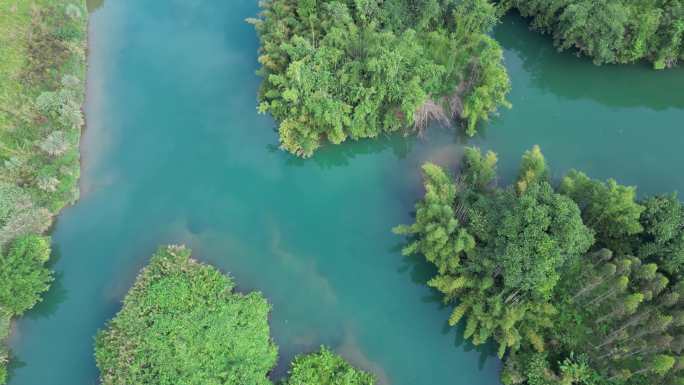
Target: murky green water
(175, 153)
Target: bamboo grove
(612, 31)
(579, 283)
(352, 69)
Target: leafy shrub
(23, 275)
(4, 333)
(345, 69)
(612, 31)
(19, 215)
(325, 368)
(181, 323)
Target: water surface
(175, 153)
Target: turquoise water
(174, 152)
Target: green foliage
(479, 171)
(23, 275)
(5, 317)
(532, 169)
(23, 279)
(42, 67)
(536, 275)
(528, 236)
(608, 208)
(181, 323)
(497, 251)
(42, 57)
(436, 232)
(19, 215)
(325, 368)
(342, 69)
(663, 238)
(613, 31)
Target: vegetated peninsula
(341, 69)
(42, 72)
(612, 31)
(183, 323)
(580, 283)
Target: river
(174, 152)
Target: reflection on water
(352, 352)
(566, 75)
(94, 5)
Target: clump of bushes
(325, 367)
(42, 59)
(341, 69)
(23, 275)
(579, 283)
(23, 279)
(183, 323)
(5, 318)
(612, 31)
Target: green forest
(183, 323)
(338, 70)
(576, 283)
(612, 31)
(573, 281)
(42, 67)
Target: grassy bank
(42, 73)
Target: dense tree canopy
(612, 31)
(23, 279)
(608, 208)
(498, 251)
(23, 275)
(580, 284)
(181, 323)
(339, 69)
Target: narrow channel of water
(175, 153)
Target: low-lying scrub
(42, 67)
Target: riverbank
(42, 67)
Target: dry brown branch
(428, 112)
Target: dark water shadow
(330, 156)
(571, 77)
(54, 297)
(94, 5)
(485, 351)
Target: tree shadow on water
(571, 77)
(55, 295)
(421, 271)
(330, 156)
(486, 351)
(13, 365)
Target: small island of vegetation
(42, 67)
(338, 70)
(612, 31)
(577, 284)
(183, 323)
